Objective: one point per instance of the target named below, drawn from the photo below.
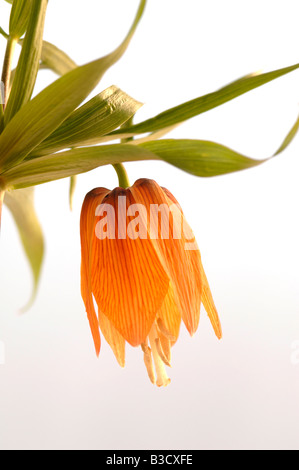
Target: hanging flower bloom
(142, 266)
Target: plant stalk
(7, 65)
(123, 179)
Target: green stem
(122, 175)
(119, 167)
(6, 72)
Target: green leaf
(87, 124)
(291, 135)
(204, 158)
(28, 64)
(71, 162)
(52, 58)
(19, 17)
(55, 59)
(198, 157)
(43, 114)
(3, 33)
(190, 109)
(21, 206)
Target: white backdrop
(241, 392)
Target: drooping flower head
(142, 267)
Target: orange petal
(209, 305)
(91, 201)
(170, 245)
(169, 317)
(128, 280)
(113, 338)
(207, 298)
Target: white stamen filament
(147, 357)
(162, 378)
(164, 330)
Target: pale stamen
(164, 330)
(166, 347)
(162, 378)
(161, 352)
(147, 357)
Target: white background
(241, 392)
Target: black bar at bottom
(150, 458)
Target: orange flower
(142, 266)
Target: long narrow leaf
(72, 162)
(52, 58)
(198, 157)
(21, 206)
(85, 126)
(44, 113)
(55, 59)
(291, 135)
(190, 109)
(19, 17)
(28, 64)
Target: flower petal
(209, 305)
(91, 201)
(198, 269)
(168, 317)
(113, 338)
(166, 230)
(128, 280)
